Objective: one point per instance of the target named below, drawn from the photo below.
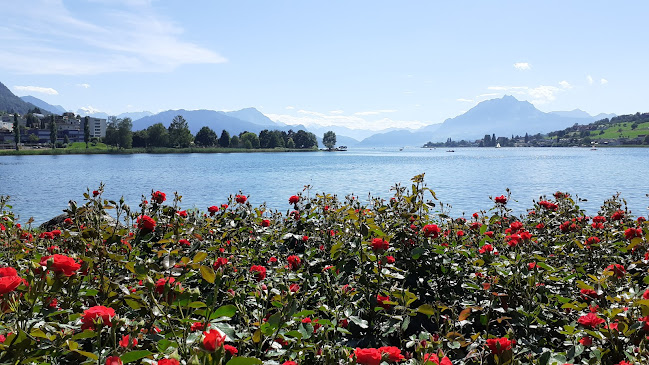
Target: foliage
(224, 140)
(179, 133)
(206, 137)
(86, 130)
(329, 140)
(157, 135)
(331, 282)
(53, 131)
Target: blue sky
(360, 64)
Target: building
(97, 127)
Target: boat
(497, 145)
(450, 151)
(401, 149)
(341, 148)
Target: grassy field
(621, 130)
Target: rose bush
(331, 282)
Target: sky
(359, 64)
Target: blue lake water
(41, 186)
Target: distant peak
(509, 97)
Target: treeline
(178, 135)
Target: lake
(41, 186)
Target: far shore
(129, 151)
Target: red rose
(260, 272)
(241, 199)
(368, 356)
(617, 215)
(433, 359)
(586, 341)
(294, 288)
(184, 242)
(617, 269)
(499, 345)
(213, 340)
(182, 213)
(590, 320)
(501, 199)
(589, 293)
(160, 284)
(93, 314)
(145, 222)
(380, 299)
(294, 262)
(265, 222)
(61, 264)
(380, 244)
(645, 295)
(460, 233)
(290, 362)
(9, 284)
(490, 234)
(393, 353)
(168, 362)
(126, 341)
(197, 326)
(213, 209)
(231, 349)
(431, 230)
(113, 360)
(390, 259)
(56, 232)
(158, 197)
(294, 199)
(8, 271)
(631, 233)
(486, 248)
(219, 263)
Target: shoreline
(132, 151)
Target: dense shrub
(330, 282)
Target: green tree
(112, 137)
(86, 130)
(329, 140)
(276, 139)
(234, 142)
(157, 135)
(179, 133)
(249, 140)
(33, 138)
(66, 140)
(53, 131)
(304, 139)
(125, 133)
(224, 141)
(265, 138)
(206, 137)
(140, 138)
(290, 144)
(16, 131)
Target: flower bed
(330, 282)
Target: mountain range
(503, 117)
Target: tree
(206, 137)
(224, 141)
(179, 133)
(290, 143)
(157, 135)
(265, 137)
(124, 132)
(140, 138)
(234, 142)
(249, 140)
(16, 131)
(33, 139)
(111, 138)
(329, 140)
(86, 130)
(276, 139)
(53, 131)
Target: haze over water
(41, 186)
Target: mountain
(97, 114)
(252, 115)
(401, 137)
(55, 109)
(601, 116)
(197, 119)
(135, 115)
(505, 117)
(576, 113)
(10, 103)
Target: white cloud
(543, 94)
(590, 79)
(85, 86)
(465, 100)
(487, 95)
(522, 66)
(36, 89)
(603, 81)
(376, 112)
(565, 84)
(336, 112)
(290, 107)
(122, 36)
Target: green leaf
(200, 256)
(135, 355)
(208, 274)
(84, 334)
(238, 360)
(359, 321)
(197, 305)
(224, 311)
(426, 309)
(304, 313)
(89, 355)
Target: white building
(97, 127)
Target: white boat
(497, 145)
